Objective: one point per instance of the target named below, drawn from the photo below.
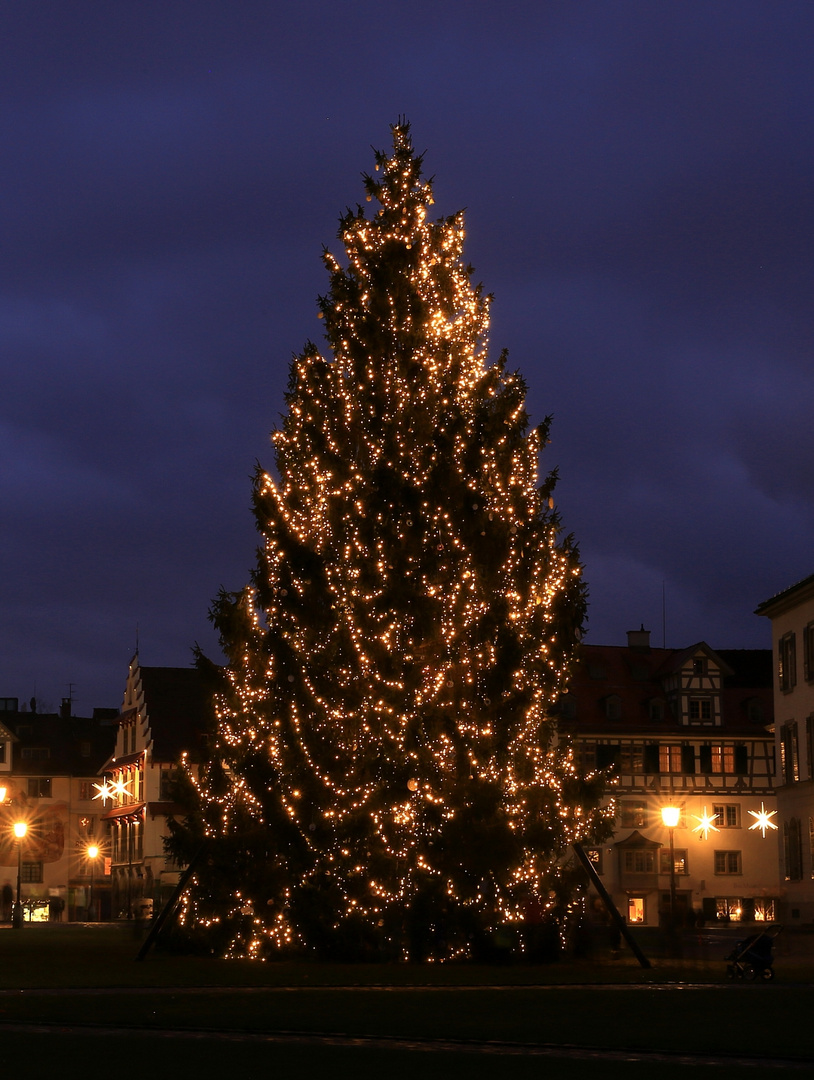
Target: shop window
(635, 909)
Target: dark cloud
(637, 185)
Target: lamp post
(92, 852)
(20, 829)
(670, 816)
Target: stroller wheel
(768, 974)
(730, 971)
(749, 972)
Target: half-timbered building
(162, 721)
(688, 729)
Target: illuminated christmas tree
(384, 777)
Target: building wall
(792, 619)
(682, 729)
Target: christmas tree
(385, 778)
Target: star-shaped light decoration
(103, 792)
(120, 788)
(705, 824)
(763, 819)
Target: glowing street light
(20, 829)
(92, 852)
(670, 816)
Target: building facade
(48, 765)
(691, 730)
(162, 722)
(792, 617)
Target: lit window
(728, 908)
(635, 909)
(680, 862)
(764, 910)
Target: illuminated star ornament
(120, 788)
(705, 824)
(103, 792)
(763, 819)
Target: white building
(690, 729)
(792, 618)
(162, 720)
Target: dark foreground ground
(73, 1000)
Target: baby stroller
(753, 957)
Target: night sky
(637, 179)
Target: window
(789, 760)
(656, 708)
(635, 909)
(754, 711)
(639, 861)
(607, 756)
(87, 826)
(680, 862)
(166, 788)
(764, 909)
(84, 748)
(728, 908)
(595, 858)
(632, 815)
(669, 758)
(631, 759)
(39, 787)
(700, 710)
(85, 790)
(31, 872)
(810, 746)
(676, 758)
(808, 652)
(792, 850)
(728, 815)
(727, 862)
(787, 663)
(35, 753)
(723, 758)
(613, 707)
(3, 753)
(811, 843)
(699, 665)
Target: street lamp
(670, 816)
(92, 852)
(20, 829)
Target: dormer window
(699, 665)
(613, 707)
(656, 708)
(700, 710)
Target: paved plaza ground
(73, 997)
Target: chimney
(65, 709)
(639, 640)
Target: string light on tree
(385, 778)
